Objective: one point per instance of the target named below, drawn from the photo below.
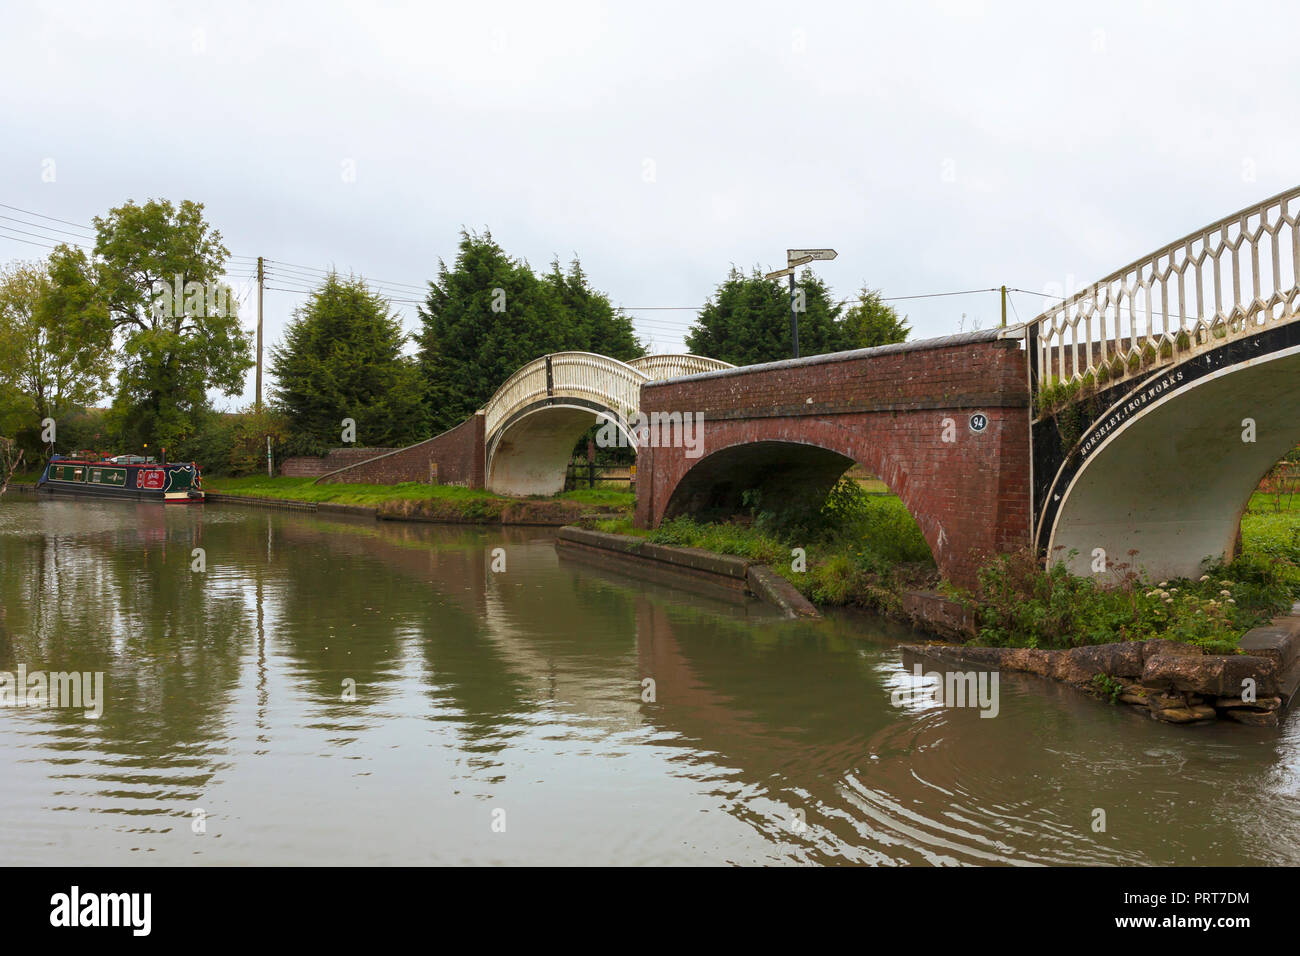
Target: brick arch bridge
(1131, 420)
(520, 442)
(1129, 424)
(943, 422)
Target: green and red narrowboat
(123, 477)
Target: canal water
(330, 691)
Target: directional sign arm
(807, 255)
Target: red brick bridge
(943, 422)
(1129, 424)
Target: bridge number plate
(978, 422)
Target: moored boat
(123, 477)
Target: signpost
(794, 258)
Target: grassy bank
(303, 489)
(858, 549)
(866, 550)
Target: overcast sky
(938, 146)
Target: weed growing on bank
(1021, 604)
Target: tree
(11, 459)
(596, 323)
(870, 322)
(55, 339)
(249, 430)
(489, 314)
(747, 320)
(342, 358)
(157, 269)
(14, 407)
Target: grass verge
(304, 489)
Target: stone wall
(1173, 682)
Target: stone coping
(921, 345)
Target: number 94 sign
(978, 422)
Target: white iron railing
(659, 367)
(593, 378)
(1227, 280)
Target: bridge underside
(1172, 483)
(530, 453)
(779, 471)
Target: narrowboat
(127, 476)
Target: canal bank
(1177, 682)
(1173, 682)
(549, 513)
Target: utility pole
(260, 273)
(794, 322)
(1004, 307)
(794, 259)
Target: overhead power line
(37, 235)
(43, 228)
(41, 215)
(296, 278)
(29, 242)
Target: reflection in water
(764, 740)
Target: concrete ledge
(282, 504)
(1279, 640)
(601, 539)
(774, 589)
(931, 611)
(635, 565)
(695, 559)
(723, 570)
(359, 511)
